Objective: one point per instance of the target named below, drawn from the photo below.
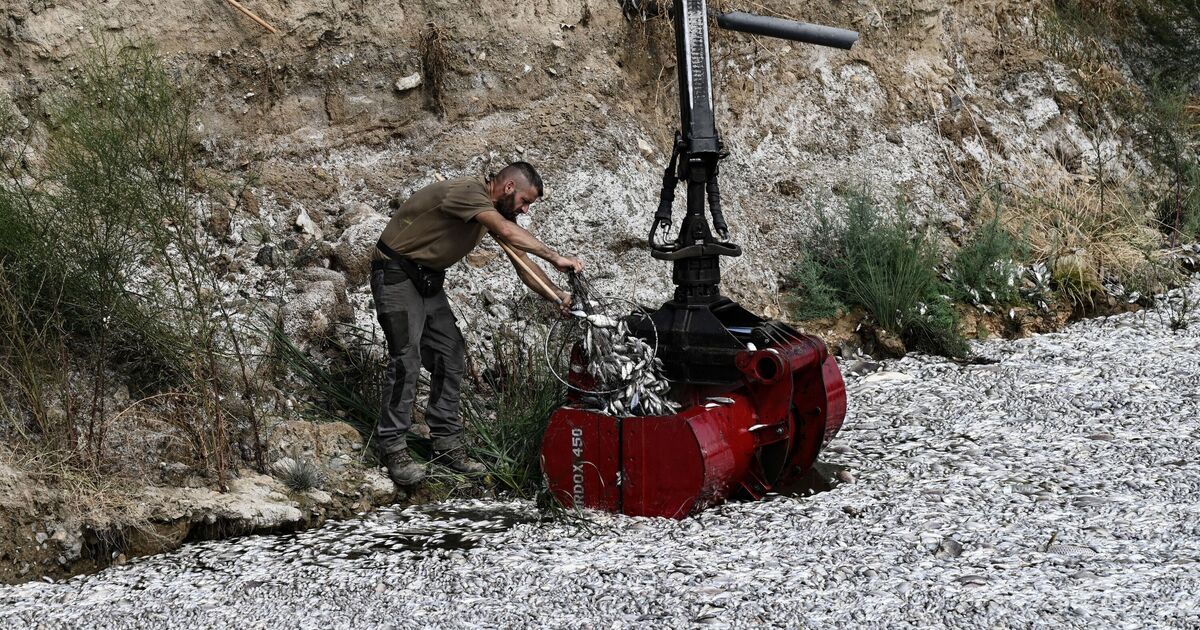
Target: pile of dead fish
(628, 377)
(1057, 487)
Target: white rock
(409, 82)
(646, 149)
(307, 225)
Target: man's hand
(566, 263)
(564, 303)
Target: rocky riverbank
(55, 526)
(1054, 484)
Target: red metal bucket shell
(681, 464)
(835, 398)
(581, 459)
(672, 465)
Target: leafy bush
(103, 260)
(885, 266)
(986, 271)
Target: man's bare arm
(528, 270)
(522, 240)
(536, 279)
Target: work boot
(451, 452)
(400, 465)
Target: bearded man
(436, 227)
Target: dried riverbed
(1057, 486)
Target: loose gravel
(1059, 486)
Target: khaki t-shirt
(436, 226)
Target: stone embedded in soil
(353, 250)
(308, 226)
(409, 82)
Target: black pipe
(666, 196)
(788, 29)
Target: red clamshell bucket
(745, 441)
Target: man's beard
(507, 206)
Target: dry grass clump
(98, 501)
(1091, 237)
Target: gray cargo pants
(419, 331)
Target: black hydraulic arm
(788, 29)
(698, 147)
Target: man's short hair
(526, 171)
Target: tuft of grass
(1087, 235)
(299, 474)
(1180, 311)
(345, 385)
(507, 412)
(885, 265)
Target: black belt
(427, 280)
(378, 265)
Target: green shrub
(100, 248)
(884, 265)
(811, 296)
(933, 328)
(1171, 128)
(986, 271)
(1182, 212)
(507, 413)
(110, 200)
(344, 381)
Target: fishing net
(614, 371)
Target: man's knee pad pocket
(395, 330)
